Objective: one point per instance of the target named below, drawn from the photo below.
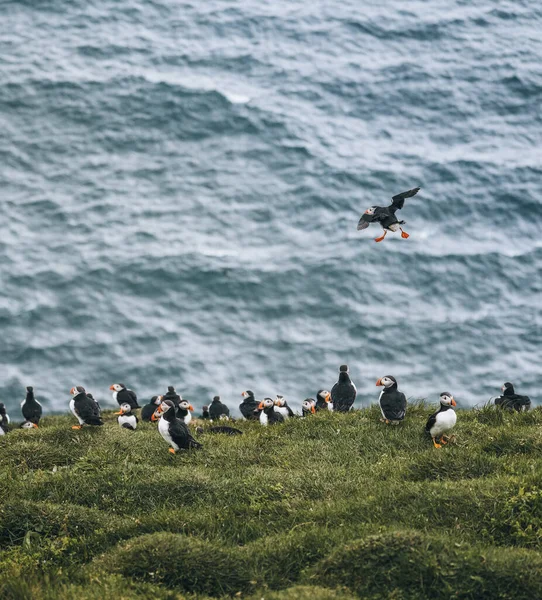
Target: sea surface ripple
(180, 184)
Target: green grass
(330, 507)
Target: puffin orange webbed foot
(404, 234)
(379, 239)
(436, 444)
(171, 451)
(76, 426)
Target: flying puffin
(343, 393)
(268, 414)
(84, 408)
(385, 215)
(512, 401)
(122, 395)
(323, 401)
(173, 430)
(249, 407)
(31, 408)
(126, 418)
(183, 411)
(308, 407)
(392, 402)
(442, 421)
(218, 410)
(4, 419)
(282, 407)
(148, 410)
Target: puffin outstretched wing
(365, 221)
(398, 201)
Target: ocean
(180, 184)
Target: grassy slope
(336, 506)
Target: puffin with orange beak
(126, 419)
(268, 414)
(147, 411)
(393, 403)
(385, 215)
(442, 421)
(323, 401)
(184, 409)
(173, 430)
(122, 395)
(308, 407)
(84, 408)
(249, 407)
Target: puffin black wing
(365, 221)
(181, 435)
(398, 201)
(431, 421)
(88, 411)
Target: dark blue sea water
(180, 184)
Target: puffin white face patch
(371, 210)
(268, 402)
(387, 382)
(184, 404)
(446, 399)
(126, 408)
(280, 400)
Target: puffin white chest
(282, 410)
(188, 418)
(127, 421)
(163, 428)
(72, 408)
(379, 399)
(264, 419)
(444, 421)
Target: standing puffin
(31, 408)
(308, 407)
(218, 410)
(249, 407)
(173, 430)
(84, 408)
(205, 412)
(268, 414)
(343, 393)
(512, 401)
(126, 418)
(442, 421)
(122, 395)
(283, 408)
(392, 402)
(4, 419)
(148, 410)
(385, 215)
(183, 411)
(323, 401)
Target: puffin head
(29, 389)
(156, 400)
(171, 389)
(29, 425)
(370, 211)
(75, 391)
(446, 399)
(507, 388)
(125, 409)
(324, 395)
(387, 381)
(117, 387)
(266, 403)
(165, 410)
(309, 405)
(279, 400)
(184, 404)
(216, 399)
(247, 394)
(2, 408)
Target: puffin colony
(174, 414)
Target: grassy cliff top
(333, 506)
